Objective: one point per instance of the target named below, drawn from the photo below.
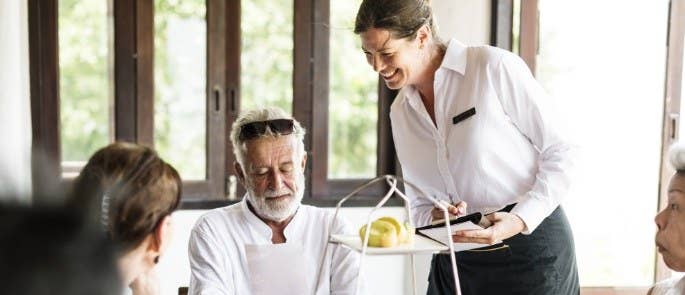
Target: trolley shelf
(421, 245)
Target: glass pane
(266, 74)
(609, 77)
(353, 109)
(180, 85)
(84, 81)
(516, 26)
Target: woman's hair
(129, 190)
(403, 18)
(676, 155)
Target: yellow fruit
(402, 235)
(388, 232)
(382, 234)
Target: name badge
(463, 116)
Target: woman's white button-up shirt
(510, 150)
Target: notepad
(438, 233)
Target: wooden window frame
(44, 85)
(132, 29)
(311, 101)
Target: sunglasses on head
(256, 129)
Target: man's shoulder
(219, 217)
(317, 212)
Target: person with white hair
(670, 237)
(270, 243)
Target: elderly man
(670, 238)
(269, 243)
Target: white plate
(420, 245)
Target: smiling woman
(472, 125)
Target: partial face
(670, 239)
(274, 177)
(396, 60)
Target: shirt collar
(455, 57)
(263, 229)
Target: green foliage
(353, 109)
(266, 79)
(266, 54)
(84, 79)
(180, 85)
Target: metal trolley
(421, 245)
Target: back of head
(403, 18)
(128, 190)
(51, 251)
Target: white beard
(278, 210)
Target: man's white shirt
(509, 151)
(218, 261)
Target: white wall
(466, 20)
(15, 123)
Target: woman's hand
(457, 209)
(146, 284)
(505, 225)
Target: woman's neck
(425, 85)
(131, 265)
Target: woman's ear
(423, 35)
(162, 236)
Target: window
(353, 108)
(175, 74)
(84, 81)
(180, 78)
(267, 54)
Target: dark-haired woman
(472, 126)
(131, 193)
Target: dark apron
(543, 262)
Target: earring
(156, 259)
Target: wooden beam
(216, 99)
(133, 71)
(529, 37)
(311, 86)
(233, 66)
(45, 105)
(501, 24)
